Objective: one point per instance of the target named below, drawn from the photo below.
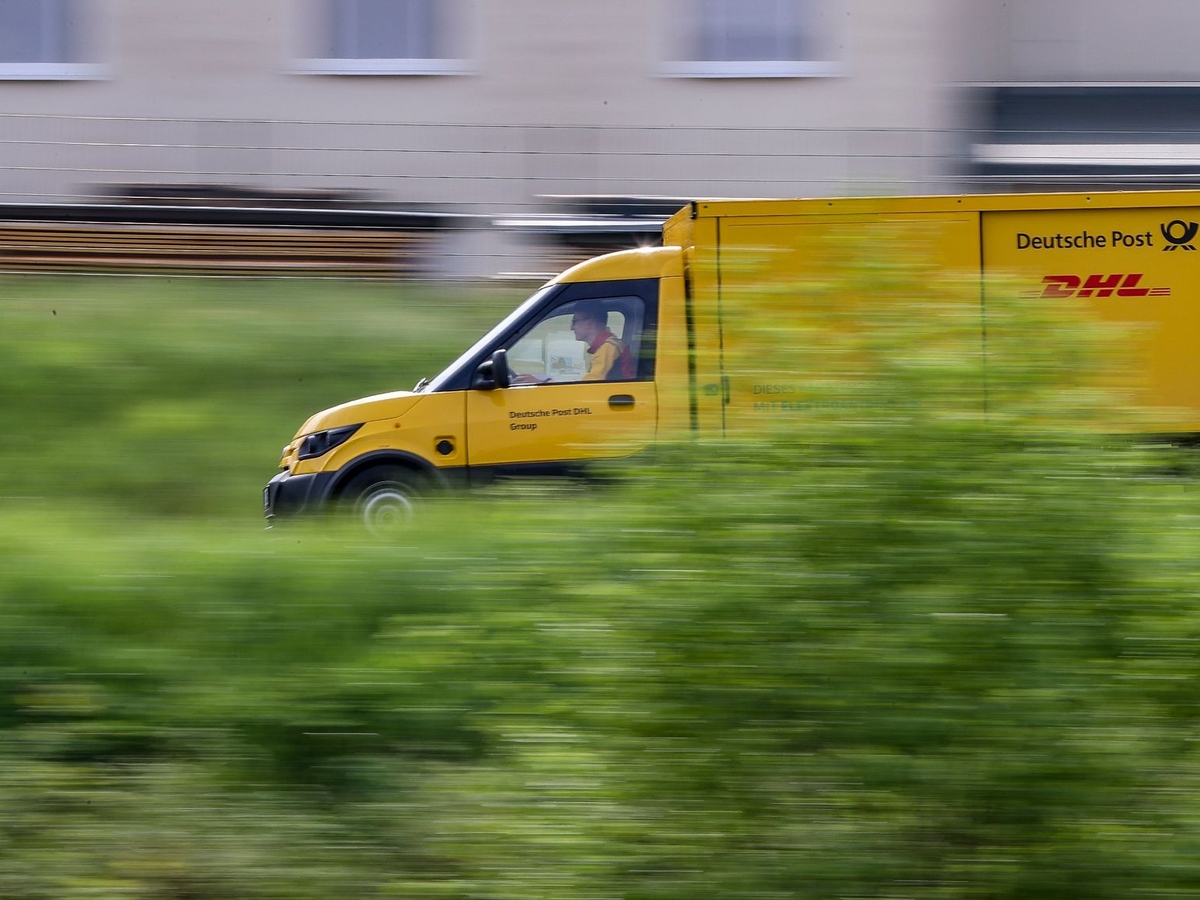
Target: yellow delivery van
(631, 345)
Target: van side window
(583, 340)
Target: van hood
(356, 412)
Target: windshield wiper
(421, 385)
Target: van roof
(716, 208)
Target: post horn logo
(1179, 233)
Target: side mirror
(493, 373)
(501, 376)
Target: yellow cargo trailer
(631, 345)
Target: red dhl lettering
(1060, 287)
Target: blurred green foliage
(934, 653)
(174, 396)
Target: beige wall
(560, 97)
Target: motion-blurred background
(494, 137)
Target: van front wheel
(382, 499)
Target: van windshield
(484, 342)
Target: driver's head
(588, 321)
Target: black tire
(383, 499)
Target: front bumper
(288, 495)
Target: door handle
(620, 400)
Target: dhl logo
(1059, 287)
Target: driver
(609, 358)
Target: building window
(40, 39)
(753, 39)
(384, 37)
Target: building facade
(495, 109)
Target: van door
(560, 410)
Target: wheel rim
(386, 509)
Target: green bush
(931, 652)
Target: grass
(173, 396)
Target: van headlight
(321, 442)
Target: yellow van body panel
(648, 262)
(1136, 266)
(560, 423)
(768, 278)
(673, 359)
(428, 427)
(1128, 256)
(876, 206)
(368, 409)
